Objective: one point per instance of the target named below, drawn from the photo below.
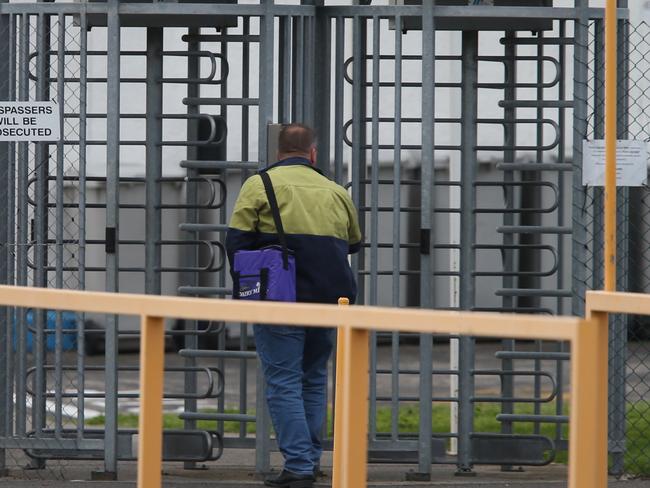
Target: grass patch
(637, 457)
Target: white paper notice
(631, 163)
(29, 121)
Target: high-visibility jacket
(319, 221)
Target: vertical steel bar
(358, 170)
(152, 364)
(22, 218)
(599, 133)
(374, 216)
(112, 232)
(509, 155)
(397, 224)
(153, 147)
(374, 166)
(426, 237)
(535, 200)
(339, 99)
(580, 117)
(5, 157)
(267, 39)
(243, 328)
(60, 161)
(321, 84)
(11, 227)
(469, 108)
(153, 236)
(284, 70)
(190, 256)
(308, 68)
(561, 346)
(83, 94)
(41, 161)
(223, 213)
(297, 62)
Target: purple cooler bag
(268, 273)
(261, 275)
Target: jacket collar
(295, 161)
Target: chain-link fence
(629, 386)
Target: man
(320, 223)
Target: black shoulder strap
(275, 211)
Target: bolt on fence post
(152, 363)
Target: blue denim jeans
(294, 362)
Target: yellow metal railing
(588, 338)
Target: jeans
(294, 363)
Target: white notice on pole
(631, 163)
(29, 121)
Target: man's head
(297, 140)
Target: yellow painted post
(338, 406)
(610, 145)
(354, 442)
(152, 361)
(588, 421)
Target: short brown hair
(295, 138)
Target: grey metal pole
(284, 70)
(469, 110)
(580, 116)
(599, 133)
(359, 30)
(619, 324)
(22, 235)
(41, 161)
(190, 256)
(310, 66)
(11, 226)
(562, 346)
(322, 86)
(297, 71)
(154, 107)
(112, 236)
(397, 202)
(339, 98)
(509, 155)
(374, 219)
(60, 249)
(5, 156)
(267, 39)
(426, 237)
(223, 216)
(83, 96)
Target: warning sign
(631, 163)
(29, 121)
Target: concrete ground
(235, 470)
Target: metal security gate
(468, 190)
(454, 221)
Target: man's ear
(313, 153)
